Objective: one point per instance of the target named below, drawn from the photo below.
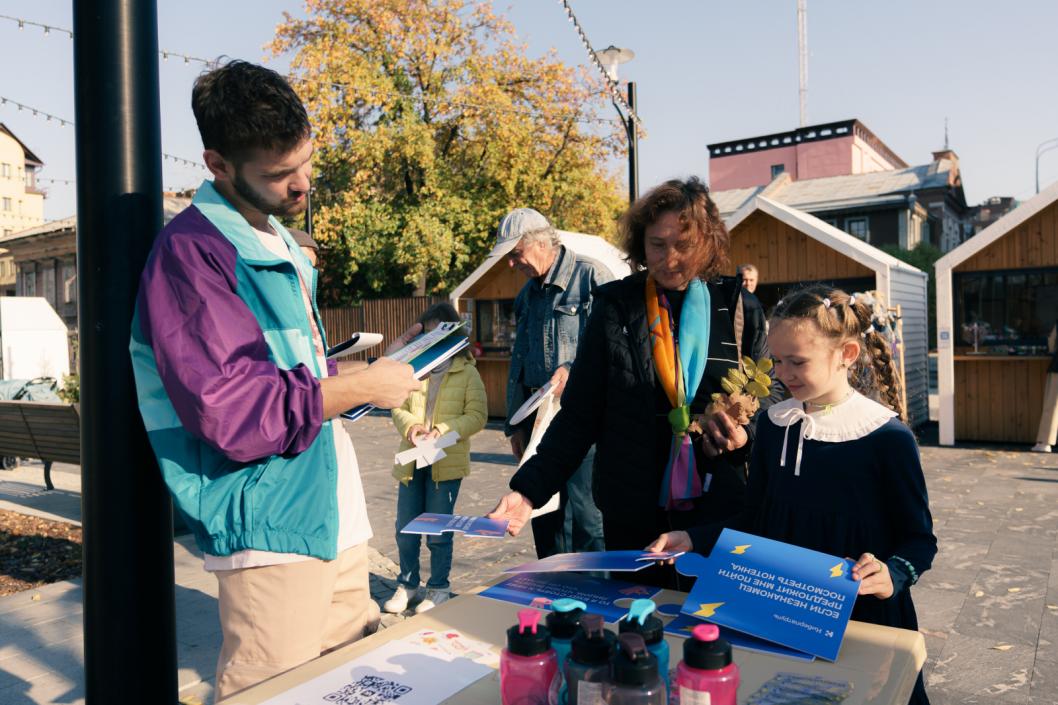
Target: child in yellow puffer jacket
(452, 399)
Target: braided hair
(840, 317)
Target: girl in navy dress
(834, 468)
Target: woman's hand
(873, 576)
(515, 508)
(415, 431)
(434, 434)
(672, 541)
(722, 435)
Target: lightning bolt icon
(837, 571)
(739, 550)
(707, 609)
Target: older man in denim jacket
(551, 311)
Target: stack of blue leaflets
(424, 353)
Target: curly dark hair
(691, 201)
(242, 106)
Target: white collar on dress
(848, 420)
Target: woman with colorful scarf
(655, 348)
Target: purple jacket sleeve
(212, 357)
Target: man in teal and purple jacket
(239, 399)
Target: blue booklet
(594, 560)
(610, 598)
(424, 353)
(775, 591)
(436, 524)
(685, 623)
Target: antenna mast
(802, 52)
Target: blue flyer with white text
(436, 524)
(594, 561)
(610, 598)
(774, 591)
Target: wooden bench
(50, 432)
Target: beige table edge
(889, 682)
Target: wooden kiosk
(997, 298)
(487, 297)
(790, 248)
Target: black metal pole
(308, 212)
(129, 616)
(633, 146)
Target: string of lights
(164, 53)
(63, 122)
(612, 86)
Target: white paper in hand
(531, 404)
(427, 451)
(546, 409)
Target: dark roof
(31, 158)
(848, 191)
(810, 133)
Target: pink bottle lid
(706, 632)
(528, 619)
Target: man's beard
(263, 204)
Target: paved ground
(989, 607)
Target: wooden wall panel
(1034, 243)
(494, 376)
(390, 317)
(500, 282)
(999, 400)
(784, 254)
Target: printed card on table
(594, 560)
(799, 598)
(423, 669)
(684, 624)
(610, 598)
(436, 524)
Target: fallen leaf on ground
(979, 593)
(1003, 647)
(1013, 589)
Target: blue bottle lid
(641, 620)
(564, 617)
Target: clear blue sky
(706, 71)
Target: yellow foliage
(430, 122)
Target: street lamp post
(611, 57)
(1043, 148)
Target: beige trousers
(280, 616)
(1048, 432)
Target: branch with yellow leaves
(743, 390)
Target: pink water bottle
(707, 675)
(528, 666)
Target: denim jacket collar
(561, 270)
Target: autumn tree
(430, 122)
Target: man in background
(551, 312)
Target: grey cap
(516, 225)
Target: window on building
(857, 227)
(5, 170)
(29, 283)
(777, 169)
(49, 284)
(7, 204)
(69, 283)
(1005, 309)
(7, 231)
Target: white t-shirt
(353, 525)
